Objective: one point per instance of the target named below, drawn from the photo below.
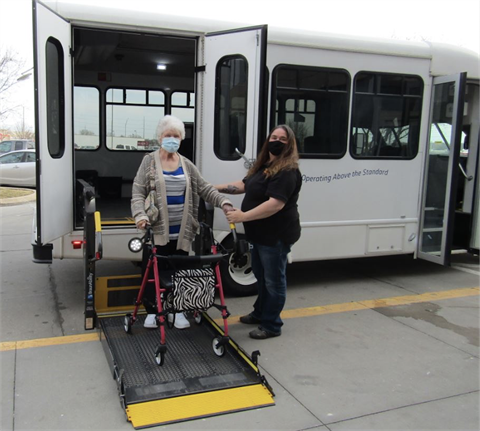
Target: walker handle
(209, 258)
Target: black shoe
(263, 334)
(249, 320)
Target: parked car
(17, 168)
(125, 147)
(16, 145)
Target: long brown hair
(287, 160)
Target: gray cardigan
(196, 188)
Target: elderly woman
(174, 186)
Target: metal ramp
(193, 382)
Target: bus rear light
(77, 244)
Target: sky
(456, 22)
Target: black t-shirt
(285, 224)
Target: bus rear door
(53, 119)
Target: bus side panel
(357, 207)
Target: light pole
(126, 128)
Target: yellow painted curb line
(43, 342)
(286, 314)
(370, 304)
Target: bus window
(183, 106)
(386, 116)
(86, 119)
(313, 101)
(132, 118)
(230, 107)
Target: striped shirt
(175, 185)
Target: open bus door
(234, 91)
(53, 100)
(441, 169)
(231, 123)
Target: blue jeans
(269, 264)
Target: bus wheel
(237, 277)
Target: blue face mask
(171, 144)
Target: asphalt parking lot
(379, 344)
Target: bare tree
(11, 66)
(23, 132)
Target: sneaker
(249, 320)
(150, 321)
(263, 334)
(181, 321)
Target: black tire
(218, 350)
(127, 323)
(159, 357)
(237, 280)
(198, 318)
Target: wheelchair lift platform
(192, 383)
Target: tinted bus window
(386, 115)
(314, 102)
(55, 98)
(230, 107)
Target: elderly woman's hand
(227, 208)
(235, 216)
(142, 224)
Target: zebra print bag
(193, 290)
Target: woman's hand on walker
(235, 216)
(142, 224)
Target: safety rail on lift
(92, 249)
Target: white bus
(388, 131)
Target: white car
(17, 168)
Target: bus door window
(55, 98)
(231, 91)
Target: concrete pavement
(379, 344)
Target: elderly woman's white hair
(169, 122)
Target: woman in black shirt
(272, 224)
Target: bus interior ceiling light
(161, 66)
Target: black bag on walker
(193, 290)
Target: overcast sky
(450, 21)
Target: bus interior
(123, 84)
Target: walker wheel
(198, 318)
(159, 357)
(127, 323)
(218, 349)
(170, 323)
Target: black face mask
(276, 147)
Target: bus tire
(237, 280)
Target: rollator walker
(188, 286)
